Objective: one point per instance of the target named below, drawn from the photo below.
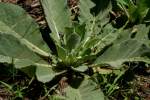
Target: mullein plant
(82, 46)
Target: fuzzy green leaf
(57, 15)
(85, 6)
(87, 90)
(73, 41)
(62, 53)
(17, 20)
(127, 47)
(45, 73)
(21, 43)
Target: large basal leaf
(13, 45)
(20, 22)
(43, 71)
(21, 42)
(57, 15)
(19, 34)
(130, 46)
(130, 50)
(87, 90)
